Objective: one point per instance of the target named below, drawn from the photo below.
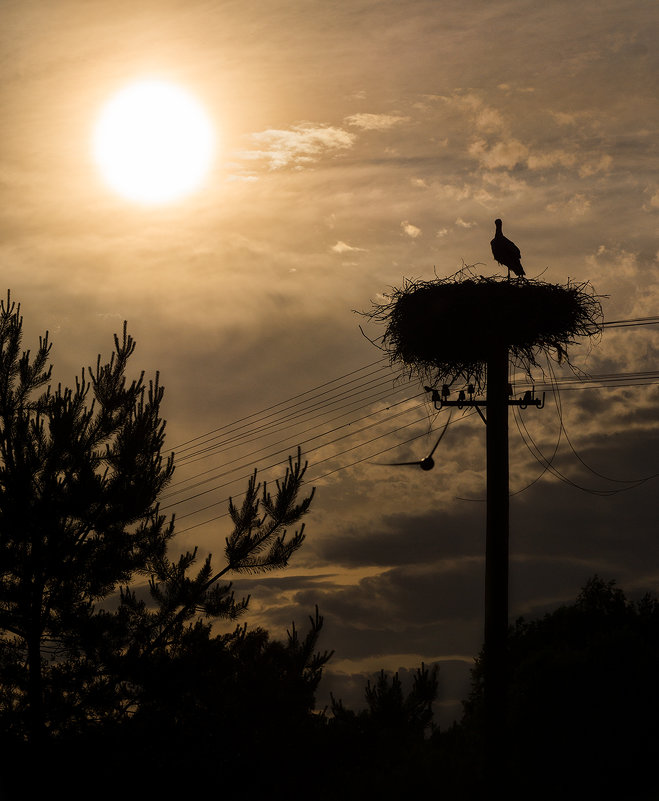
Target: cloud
(300, 145)
(506, 153)
(568, 118)
(506, 87)
(375, 122)
(551, 158)
(489, 119)
(576, 205)
(485, 116)
(603, 164)
(344, 247)
(497, 147)
(411, 230)
(501, 183)
(443, 591)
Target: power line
(321, 461)
(630, 483)
(334, 470)
(382, 390)
(654, 320)
(599, 381)
(315, 449)
(280, 403)
(528, 440)
(533, 447)
(383, 363)
(287, 449)
(297, 411)
(287, 440)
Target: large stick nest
(444, 329)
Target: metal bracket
(440, 399)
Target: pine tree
(258, 543)
(176, 625)
(80, 473)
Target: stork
(506, 252)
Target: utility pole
(495, 667)
(496, 566)
(459, 327)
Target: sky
(360, 144)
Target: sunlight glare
(153, 142)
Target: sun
(153, 142)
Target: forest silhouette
(115, 680)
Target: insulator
(445, 390)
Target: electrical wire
(262, 453)
(653, 320)
(297, 410)
(286, 450)
(267, 424)
(632, 483)
(287, 440)
(548, 464)
(367, 458)
(383, 363)
(536, 452)
(269, 430)
(281, 403)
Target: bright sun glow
(154, 142)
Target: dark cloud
(406, 538)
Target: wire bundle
(349, 420)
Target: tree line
(113, 677)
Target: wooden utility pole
(496, 564)
(426, 330)
(495, 651)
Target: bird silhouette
(427, 463)
(506, 252)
